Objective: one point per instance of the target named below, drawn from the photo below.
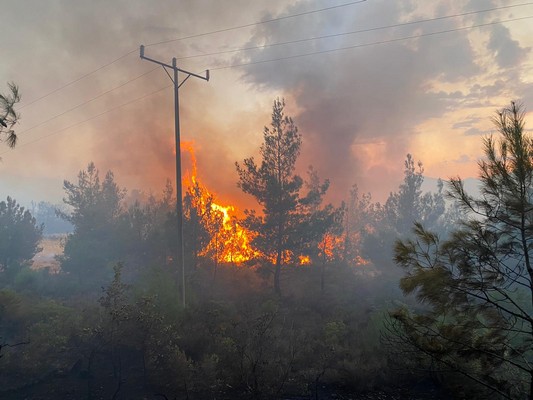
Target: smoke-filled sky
(373, 88)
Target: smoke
(62, 41)
(360, 110)
(361, 107)
(362, 99)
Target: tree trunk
(145, 376)
(277, 273)
(216, 258)
(323, 268)
(323, 278)
(90, 375)
(279, 252)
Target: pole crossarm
(173, 66)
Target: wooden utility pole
(179, 195)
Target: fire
(331, 246)
(360, 261)
(236, 239)
(189, 179)
(355, 257)
(304, 260)
(230, 241)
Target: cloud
(463, 159)
(475, 132)
(467, 122)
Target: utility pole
(179, 195)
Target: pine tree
(478, 282)
(8, 116)
(276, 188)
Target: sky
(366, 83)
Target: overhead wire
(77, 79)
(89, 101)
(90, 118)
(274, 60)
(268, 45)
(368, 44)
(266, 21)
(291, 42)
(184, 38)
(153, 44)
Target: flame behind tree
(359, 221)
(212, 229)
(284, 228)
(275, 187)
(321, 230)
(312, 234)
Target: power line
(183, 38)
(368, 44)
(351, 32)
(257, 23)
(77, 79)
(89, 119)
(257, 47)
(88, 101)
(266, 46)
(274, 60)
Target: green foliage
(238, 340)
(360, 218)
(317, 221)
(161, 282)
(477, 283)
(106, 231)
(19, 236)
(289, 222)
(8, 116)
(410, 205)
(43, 327)
(407, 206)
(275, 187)
(95, 210)
(146, 233)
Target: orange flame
(236, 239)
(230, 241)
(189, 179)
(356, 259)
(331, 246)
(304, 260)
